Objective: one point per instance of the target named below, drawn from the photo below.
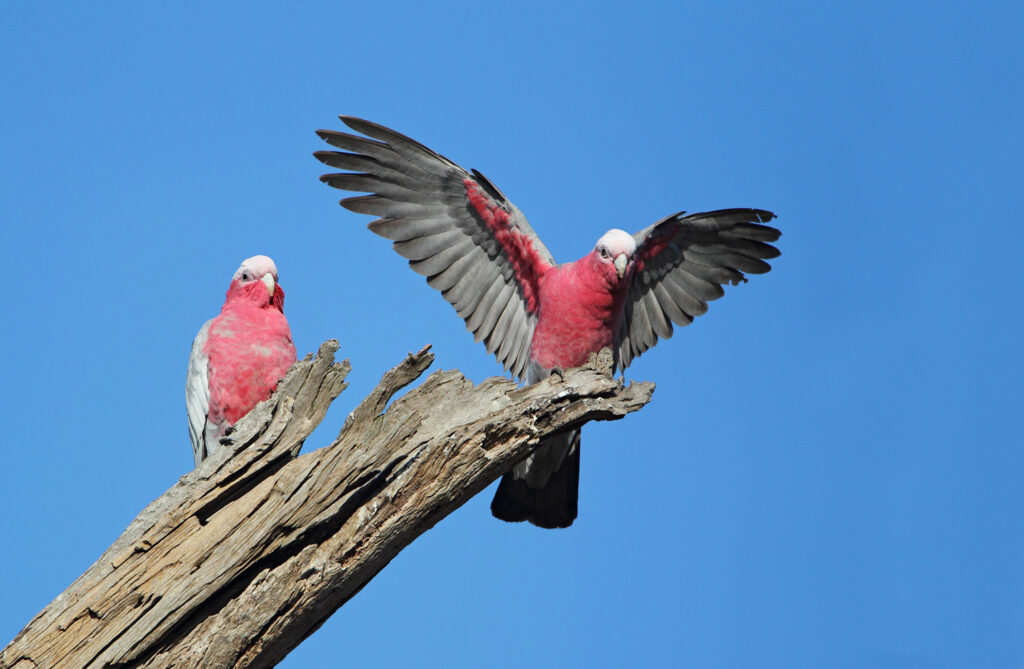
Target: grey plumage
(421, 200)
(699, 253)
(197, 395)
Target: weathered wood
(251, 552)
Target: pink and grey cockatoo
(457, 229)
(238, 357)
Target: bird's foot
(559, 372)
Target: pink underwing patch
(527, 264)
(655, 243)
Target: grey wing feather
(197, 393)
(484, 258)
(682, 263)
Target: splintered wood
(250, 553)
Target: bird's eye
(604, 252)
(245, 276)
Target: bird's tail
(544, 488)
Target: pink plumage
(239, 356)
(457, 229)
(581, 311)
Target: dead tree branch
(246, 556)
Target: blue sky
(828, 475)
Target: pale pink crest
(617, 242)
(257, 266)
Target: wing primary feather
(476, 319)
(505, 329)
(716, 276)
(686, 291)
(375, 205)
(723, 244)
(494, 311)
(499, 332)
(451, 277)
(385, 154)
(729, 261)
(407, 147)
(439, 262)
(514, 339)
(474, 295)
(726, 218)
(695, 285)
(393, 190)
(656, 316)
(356, 162)
(402, 229)
(428, 246)
(466, 292)
(524, 349)
(672, 307)
(640, 332)
(625, 345)
(753, 231)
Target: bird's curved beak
(268, 281)
(620, 264)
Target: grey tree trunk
(250, 553)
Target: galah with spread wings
(238, 357)
(457, 229)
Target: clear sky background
(829, 473)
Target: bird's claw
(559, 372)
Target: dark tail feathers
(550, 507)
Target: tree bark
(251, 552)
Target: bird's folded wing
(455, 228)
(197, 393)
(682, 262)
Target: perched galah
(238, 357)
(457, 229)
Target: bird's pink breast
(249, 350)
(579, 315)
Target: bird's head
(255, 282)
(613, 255)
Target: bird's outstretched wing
(197, 394)
(455, 227)
(682, 262)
